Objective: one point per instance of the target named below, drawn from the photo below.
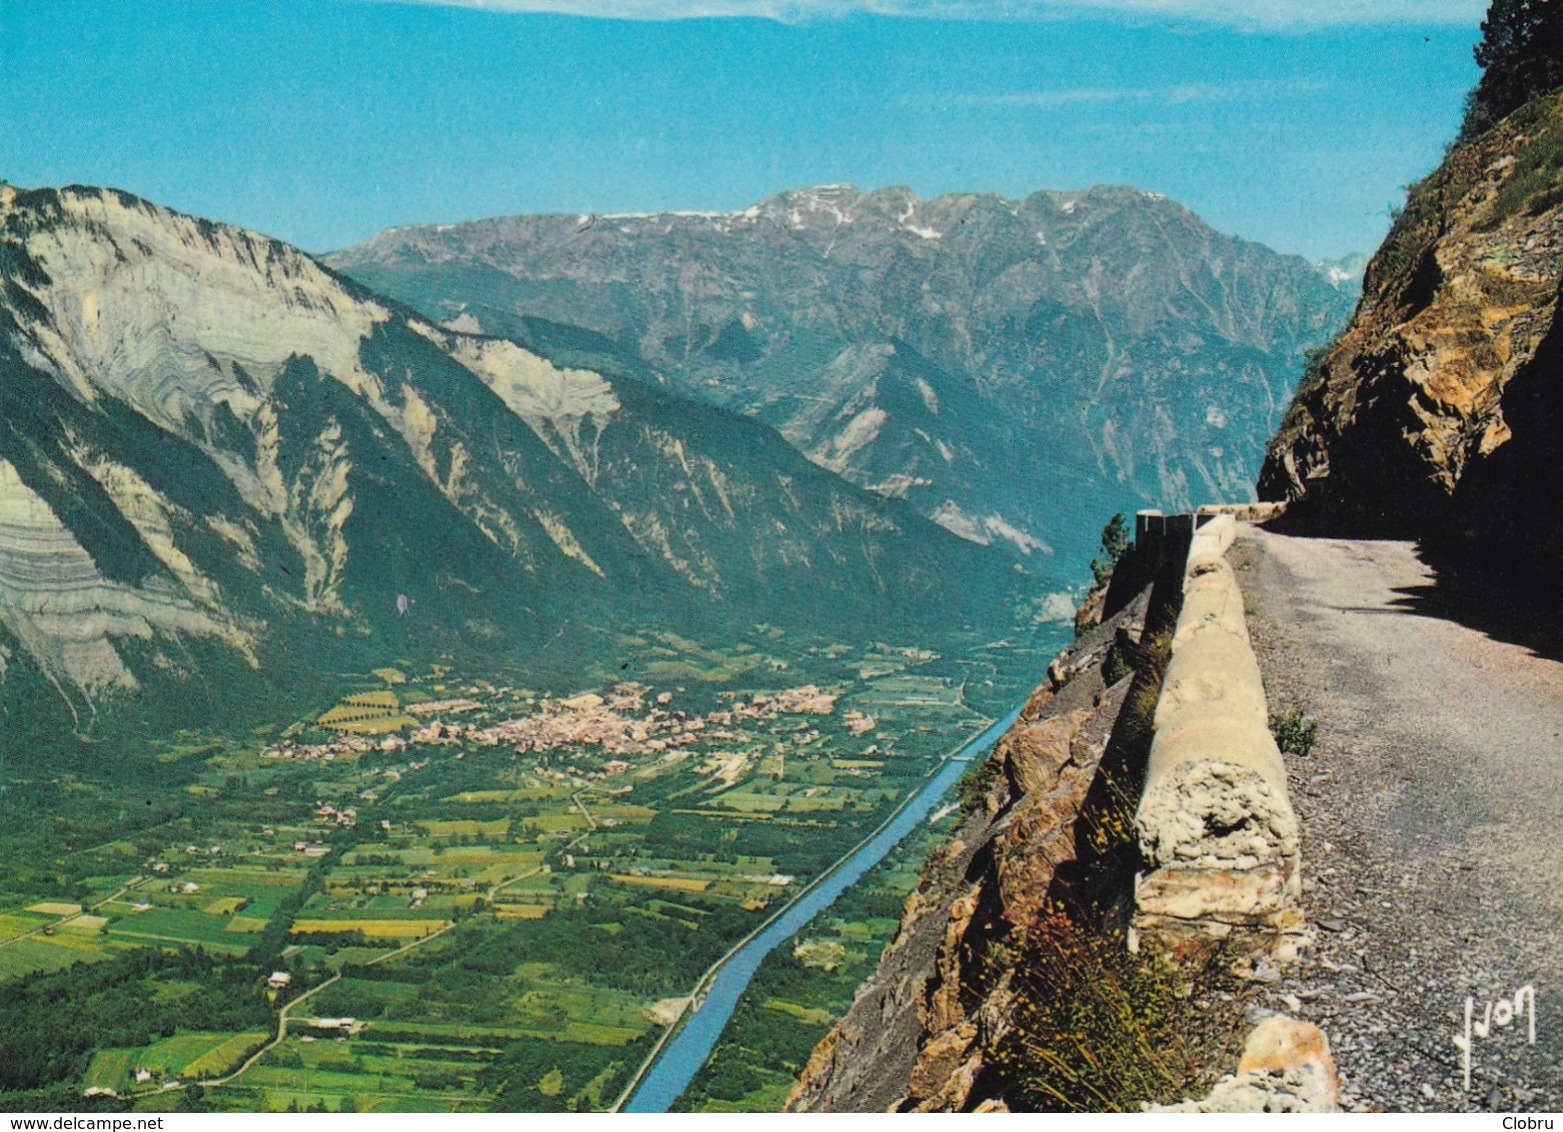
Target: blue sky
(1294, 122)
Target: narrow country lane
(1432, 809)
(87, 909)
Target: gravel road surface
(1432, 810)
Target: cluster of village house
(612, 723)
(619, 724)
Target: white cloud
(1177, 95)
(1248, 14)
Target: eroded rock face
(66, 614)
(1439, 414)
(919, 1033)
(1216, 815)
(219, 457)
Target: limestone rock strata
(219, 454)
(162, 310)
(192, 325)
(55, 602)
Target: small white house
(279, 979)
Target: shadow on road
(1467, 596)
(1492, 599)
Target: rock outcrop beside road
(1013, 982)
(920, 1035)
(1438, 415)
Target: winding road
(87, 909)
(1432, 810)
(285, 1016)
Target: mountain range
(1013, 369)
(228, 473)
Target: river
(681, 1057)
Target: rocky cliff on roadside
(1438, 414)
(1096, 934)
(916, 1038)
(1010, 984)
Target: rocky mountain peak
(976, 356)
(173, 315)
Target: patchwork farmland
(449, 893)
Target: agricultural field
(43, 954)
(806, 984)
(188, 1056)
(13, 925)
(111, 1069)
(369, 713)
(466, 893)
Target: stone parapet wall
(1244, 512)
(1217, 832)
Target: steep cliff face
(1439, 413)
(1005, 365)
(224, 467)
(1047, 847)
(1125, 876)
